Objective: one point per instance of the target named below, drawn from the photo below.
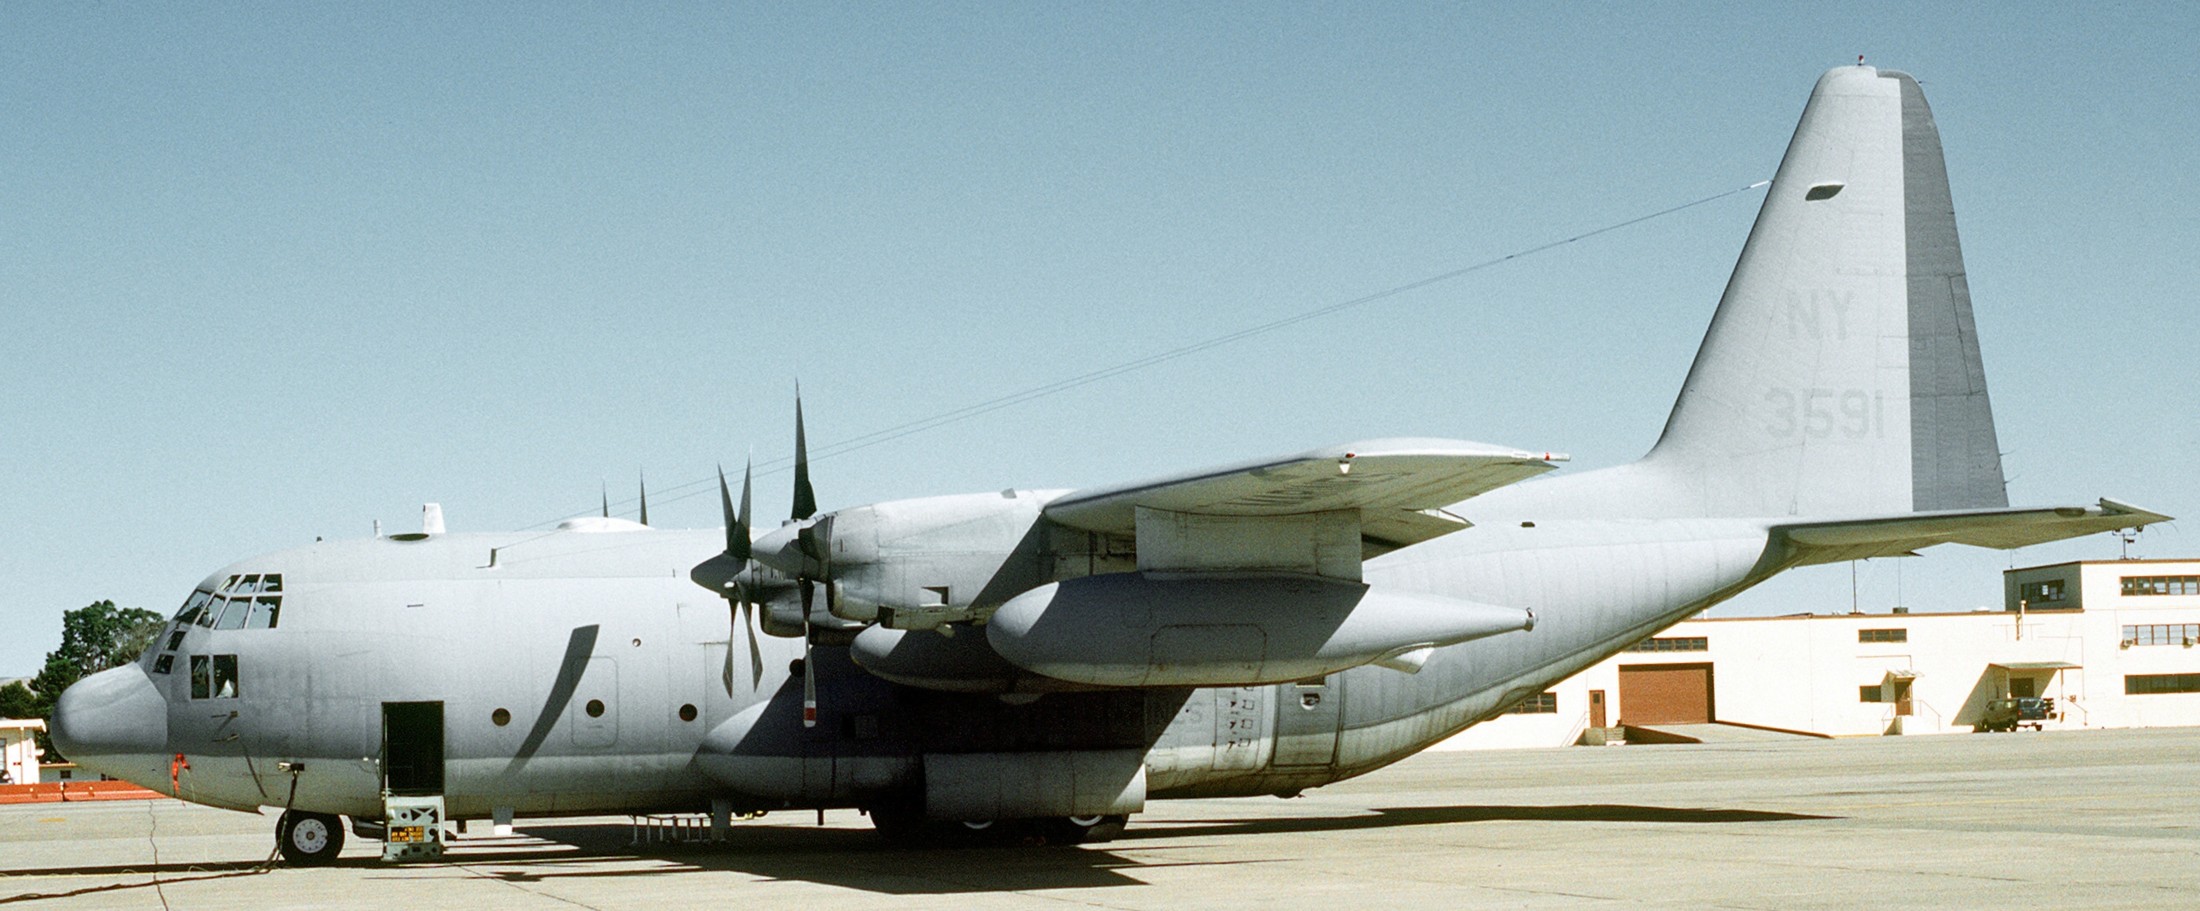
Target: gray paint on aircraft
(575, 663)
(1955, 456)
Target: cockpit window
(192, 606)
(234, 614)
(265, 608)
(202, 676)
(241, 609)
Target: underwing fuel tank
(1167, 629)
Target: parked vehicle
(2011, 713)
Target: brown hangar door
(1665, 694)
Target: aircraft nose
(109, 715)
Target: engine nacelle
(1155, 629)
(960, 663)
(915, 564)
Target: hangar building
(2111, 643)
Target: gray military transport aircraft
(1046, 660)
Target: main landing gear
(903, 825)
(309, 839)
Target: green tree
(17, 701)
(94, 637)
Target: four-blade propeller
(747, 579)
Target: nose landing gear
(309, 839)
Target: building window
(2152, 684)
(2043, 593)
(2162, 634)
(1543, 703)
(1872, 693)
(1672, 644)
(1882, 635)
(2162, 585)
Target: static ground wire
(888, 434)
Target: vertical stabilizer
(1841, 374)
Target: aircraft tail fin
(1841, 374)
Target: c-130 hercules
(1054, 659)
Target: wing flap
(1392, 483)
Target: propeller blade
(645, 497)
(737, 531)
(805, 498)
(607, 501)
(809, 665)
(747, 474)
(756, 652)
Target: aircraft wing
(1859, 539)
(1396, 487)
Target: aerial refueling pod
(1228, 629)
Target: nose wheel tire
(309, 839)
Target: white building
(2113, 643)
(18, 751)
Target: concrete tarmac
(2084, 819)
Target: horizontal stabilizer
(1860, 539)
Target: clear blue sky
(277, 271)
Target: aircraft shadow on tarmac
(855, 859)
(1384, 818)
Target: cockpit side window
(225, 676)
(214, 676)
(212, 610)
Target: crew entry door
(412, 748)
